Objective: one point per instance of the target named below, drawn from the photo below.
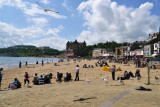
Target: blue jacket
(0, 75)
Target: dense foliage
(28, 51)
(87, 51)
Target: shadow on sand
(83, 99)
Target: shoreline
(13, 62)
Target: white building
(147, 50)
(157, 48)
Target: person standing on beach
(26, 78)
(26, 63)
(0, 77)
(113, 72)
(20, 64)
(42, 62)
(77, 73)
(37, 62)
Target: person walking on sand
(77, 73)
(0, 77)
(113, 72)
(26, 78)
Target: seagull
(102, 77)
(46, 10)
(121, 82)
(87, 80)
(105, 80)
(138, 78)
(155, 76)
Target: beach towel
(12, 86)
(109, 69)
(104, 68)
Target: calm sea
(13, 62)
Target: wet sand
(95, 93)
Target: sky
(24, 22)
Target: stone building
(76, 47)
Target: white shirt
(77, 70)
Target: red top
(26, 76)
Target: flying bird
(46, 10)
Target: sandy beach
(95, 93)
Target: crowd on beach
(43, 79)
(46, 79)
(127, 75)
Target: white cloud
(55, 31)
(54, 42)
(41, 21)
(65, 4)
(29, 8)
(38, 33)
(108, 21)
(10, 35)
(45, 1)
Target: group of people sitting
(60, 75)
(56, 64)
(128, 75)
(42, 80)
(101, 63)
(119, 69)
(89, 66)
(153, 67)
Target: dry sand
(95, 93)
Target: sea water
(13, 62)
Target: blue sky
(93, 21)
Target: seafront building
(102, 53)
(149, 48)
(152, 45)
(75, 48)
